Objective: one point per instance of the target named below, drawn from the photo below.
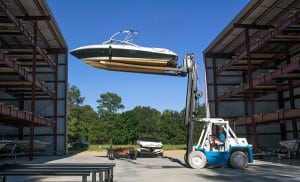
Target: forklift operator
(221, 138)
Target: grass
(174, 147)
(106, 147)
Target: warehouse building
(253, 71)
(33, 76)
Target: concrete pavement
(171, 168)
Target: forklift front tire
(197, 160)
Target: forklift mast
(191, 69)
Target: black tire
(110, 154)
(136, 154)
(239, 160)
(133, 155)
(197, 160)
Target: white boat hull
(123, 55)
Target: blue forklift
(232, 151)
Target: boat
(119, 53)
(38, 145)
(289, 149)
(4, 143)
(150, 145)
(16, 148)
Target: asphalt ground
(169, 168)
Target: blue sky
(183, 26)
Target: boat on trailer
(4, 143)
(123, 55)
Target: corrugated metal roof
(49, 35)
(258, 12)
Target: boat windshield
(122, 37)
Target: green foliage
(74, 106)
(174, 147)
(105, 147)
(74, 97)
(109, 103)
(197, 125)
(172, 129)
(108, 125)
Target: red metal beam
(215, 88)
(291, 93)
(13, 112)
(31, 18)
(292, 20)
(33, 106)
(25, 74)
(266, 118)
(252, 26)
(262, 80)
(26, 33)
(55, 107)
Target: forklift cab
(234, 151)
(216, 146)
(217, 138)
(215, 135)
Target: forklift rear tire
(110, 154)
(238, 160)
(197, 160)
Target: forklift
(233, 151)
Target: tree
(120, 130)
(201, 113)
(123, 128)
(172, 129)
(109, 103)
(74, 102)
(88, 120)
(142, 121)
(74, 97)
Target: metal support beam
(280, 115)
(55, 106)
(292, 20)
(280, 99)
(25, 32)
(251, 98)
(33, 107)
(252, 26)
(65, 97)
(20, 128)
(219, 55)
(215, 88)
(30, 18)
(16, 114)
(24, 73)
(265, 79)
(291, 94)
(246, 110)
